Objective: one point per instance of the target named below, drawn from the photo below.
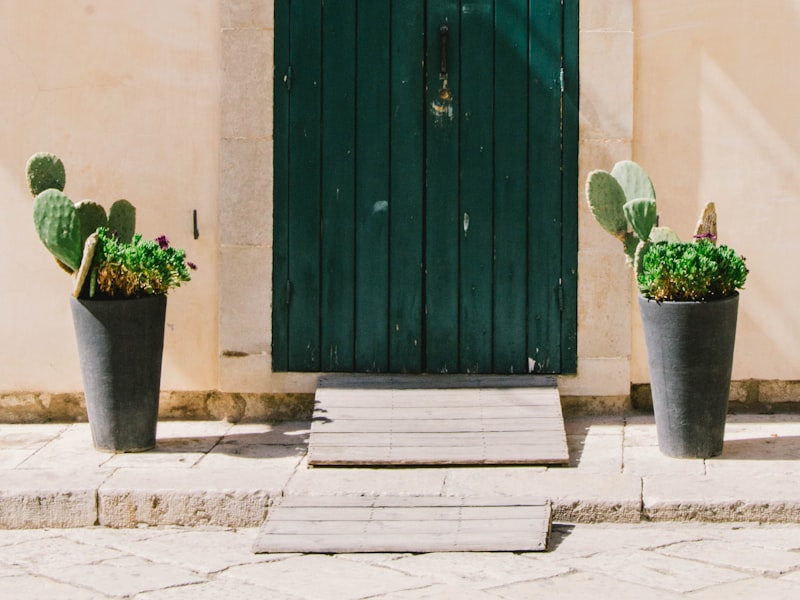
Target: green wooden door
(425, 186)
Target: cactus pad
(58, 226)
(634, 180)
(641, 214)
(122, 219)
(630, 243)
(641, 250)
(91, 216)
(45, 171)
(664, 234)
(606, 198)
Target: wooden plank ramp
(333, 524)
(433, 420)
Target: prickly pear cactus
(91, 216)
(606, 199)
(58, 226)
(641, 214)
(122, 219)
(45, 171)
(634, 180)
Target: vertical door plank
(476, 120)
(280, 193)
(304, 186)
(372, 186)
(569, 203)
(511, 185)
(405, 204)
(544, 252)
(338, 186)
(441, 206)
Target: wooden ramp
(334, 524)
(436, 420)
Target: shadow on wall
(716, 119)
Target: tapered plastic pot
(690, 356)
(120, 345)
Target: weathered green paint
(476, 214)
(305, 139)
(416, 232)
(372, 186)
(338, 166)
(511, 191)
(442, 193)
(569, 191)
(406, 189)
(544, 170)
(280, 185)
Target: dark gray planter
(120, 344)
(690, 355)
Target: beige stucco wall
(169, 105)
(605, 136)
(127, 93)
(717, 117)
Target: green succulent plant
(623, 202)
(691, 271)
(90, 244)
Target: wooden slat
(400, 501)
(477, 221)
(427, 425)
(280, 197)
(462, 439)
(373, 104)
(442, 218)
(544, 203)
(404, 524)
(512, 220)
(434, 398)
(338, 187)
(407, 188)
(468, 412)
(447, 426)
(569, 190)
(386, 455)
(304, 187)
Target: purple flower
(705, 236)
(191, 265)
(163, 242)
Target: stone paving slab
(218, 473)
(662, 561)
(49, 498)
(763, 498)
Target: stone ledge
(44, 407)
(747, 396)
(720, 499)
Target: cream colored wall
(605, 137)
(717, 117)
(127, 93)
